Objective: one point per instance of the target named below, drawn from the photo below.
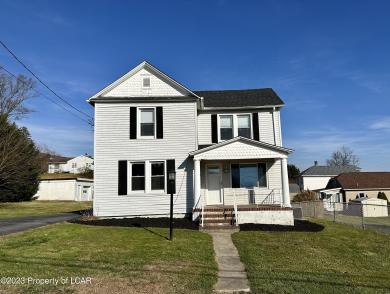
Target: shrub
(382, 195)
(19, 168)
(306, 195)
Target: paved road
(9, 226)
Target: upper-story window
(147, 122)
(146, 82)
(226, 127)
(233, 125)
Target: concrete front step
(217, 221)
(217, 226)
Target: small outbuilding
(369, 207)
(69, 187)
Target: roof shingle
(324, 170)
(240, 98)
(363, 180)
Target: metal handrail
(202, 216)
(235, 208)
(270, 199)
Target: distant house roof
(324, 170)
(58, 159)
(361, 180)
(62, 176)
(240, 98)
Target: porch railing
(235, 209)
(241, 196)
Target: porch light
(171, 175)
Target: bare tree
(343, 157)
(13, 95)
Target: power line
(42, 82)
(48, 98)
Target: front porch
(242, 180)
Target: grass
(119, 260)
(339, 259)
(35, 208)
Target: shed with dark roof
(361, 184)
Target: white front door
(214, 180)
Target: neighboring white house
(64, 187)
(317, 176)
(225, 147)
(71, 165)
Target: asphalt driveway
(9, 226)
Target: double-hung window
(226, 127)
(147, 176)
(244, 125)
(147, 122)
(138, 176)
(233, 125)
(157, 175)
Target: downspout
(273, 124)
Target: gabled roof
(240, 98)
(324, 170)
(242, 139)
(361, 180)
(142, 65)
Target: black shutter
(170, 167)
(122, 177)
(235, 176)
(159, 122)
(255, 125)
(214, 128)
(133, 122)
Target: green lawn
(119, 260)
(339, 259)
(33, 208)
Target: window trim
(150, 82)
(235, 124)
(164, 174)
(251, 162)
(139, 110)
(148, 178)
(130, 177)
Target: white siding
(112, 144)
(315, 182)
(132, 87)
(267, 122)
(277, 125)
(65, 190)
(266, 127)
(239, 150)
(204, 128)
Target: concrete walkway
(231, 272)
(9, 226)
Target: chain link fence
(374, 215)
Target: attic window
(146, 82)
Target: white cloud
(381, 124)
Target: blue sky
(328, 60)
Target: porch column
(285, 186)
(196, 181)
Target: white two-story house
(70, 165)
(225, 147)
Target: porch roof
(241, 148)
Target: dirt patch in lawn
(299, 226)
(155, 278)
(138, 222)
